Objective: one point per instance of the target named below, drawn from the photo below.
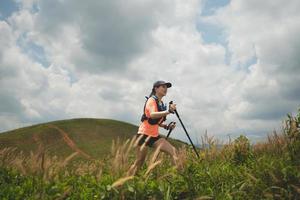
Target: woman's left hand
(172, 125)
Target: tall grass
(236, 170)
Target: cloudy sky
(234, 65)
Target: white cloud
(265, 30)
(104, 57)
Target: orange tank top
(145, 127)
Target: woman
(153, 117)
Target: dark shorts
(150, 141)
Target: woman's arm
(155, 115)
(163, 125)
(158, 114)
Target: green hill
(88, 136)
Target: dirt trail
(36, 138)
(69, 141)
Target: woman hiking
(155, 113)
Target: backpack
(160, 108)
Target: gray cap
(158, 83)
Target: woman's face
(161, 90)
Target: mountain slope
(91, 138)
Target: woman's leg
(141, 156)
(166, 147)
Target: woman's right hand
(172, 107)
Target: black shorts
(150, 141)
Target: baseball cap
(158, 83)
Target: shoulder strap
(157, 102)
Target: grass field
(238, 170)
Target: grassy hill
(90, 137)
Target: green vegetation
(238, 170)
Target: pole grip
(171, 102)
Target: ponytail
(152, 92)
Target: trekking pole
(171, 129)
(169, 125)
(185, 131)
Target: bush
(292, 134)
(241, 150)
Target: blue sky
(68, 59)
(7, 7)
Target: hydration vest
(160, 108)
